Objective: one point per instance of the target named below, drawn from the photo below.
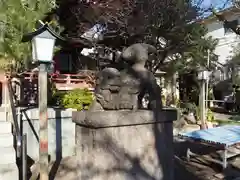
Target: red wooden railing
(28, 82)
(67, 81)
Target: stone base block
(124, 146)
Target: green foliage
(56, 96)
(192, 108)
(79, 99)
(196, 51)
(234, 64)
(165, 24)
(164, 100)
(188, 107)
(210, 116)
(18, 17)
(210, 94)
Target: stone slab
(9, 172)
(186, 129)
(5, 127)
(53, 113)
(61, 133)
(2, 115)
(219, 176)
(100, 119)
(8, 155)
(124, 145)
(6, 140)
(142, 152)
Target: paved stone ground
(221, 114)
(199, 168)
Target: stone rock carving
(124, 89)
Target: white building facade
(228, 41)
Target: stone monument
(119, 90)
(118, 139)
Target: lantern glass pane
(43, 49)
(203, 75)
(34, 58)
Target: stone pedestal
(125, 145)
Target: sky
(218, 4)
(207, 5)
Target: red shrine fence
(25, 85)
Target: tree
(18, 17)
(130, 21)
(195, 56)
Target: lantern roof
(80, 41)
(43, 27)
(159, 72)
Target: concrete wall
(124, 145)
(61, 132)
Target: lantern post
(203, 77)
(43, 42)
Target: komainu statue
(124, 89)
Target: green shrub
(188, 107)
(191, 107)
(56, 96)
(163, 100)
(209, 115)
(79, 99)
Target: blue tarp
(225, 135)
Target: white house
(227, 39)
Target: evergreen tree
(18, 17)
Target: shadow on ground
(200, 167)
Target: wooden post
(43, 122)
(202, 104)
